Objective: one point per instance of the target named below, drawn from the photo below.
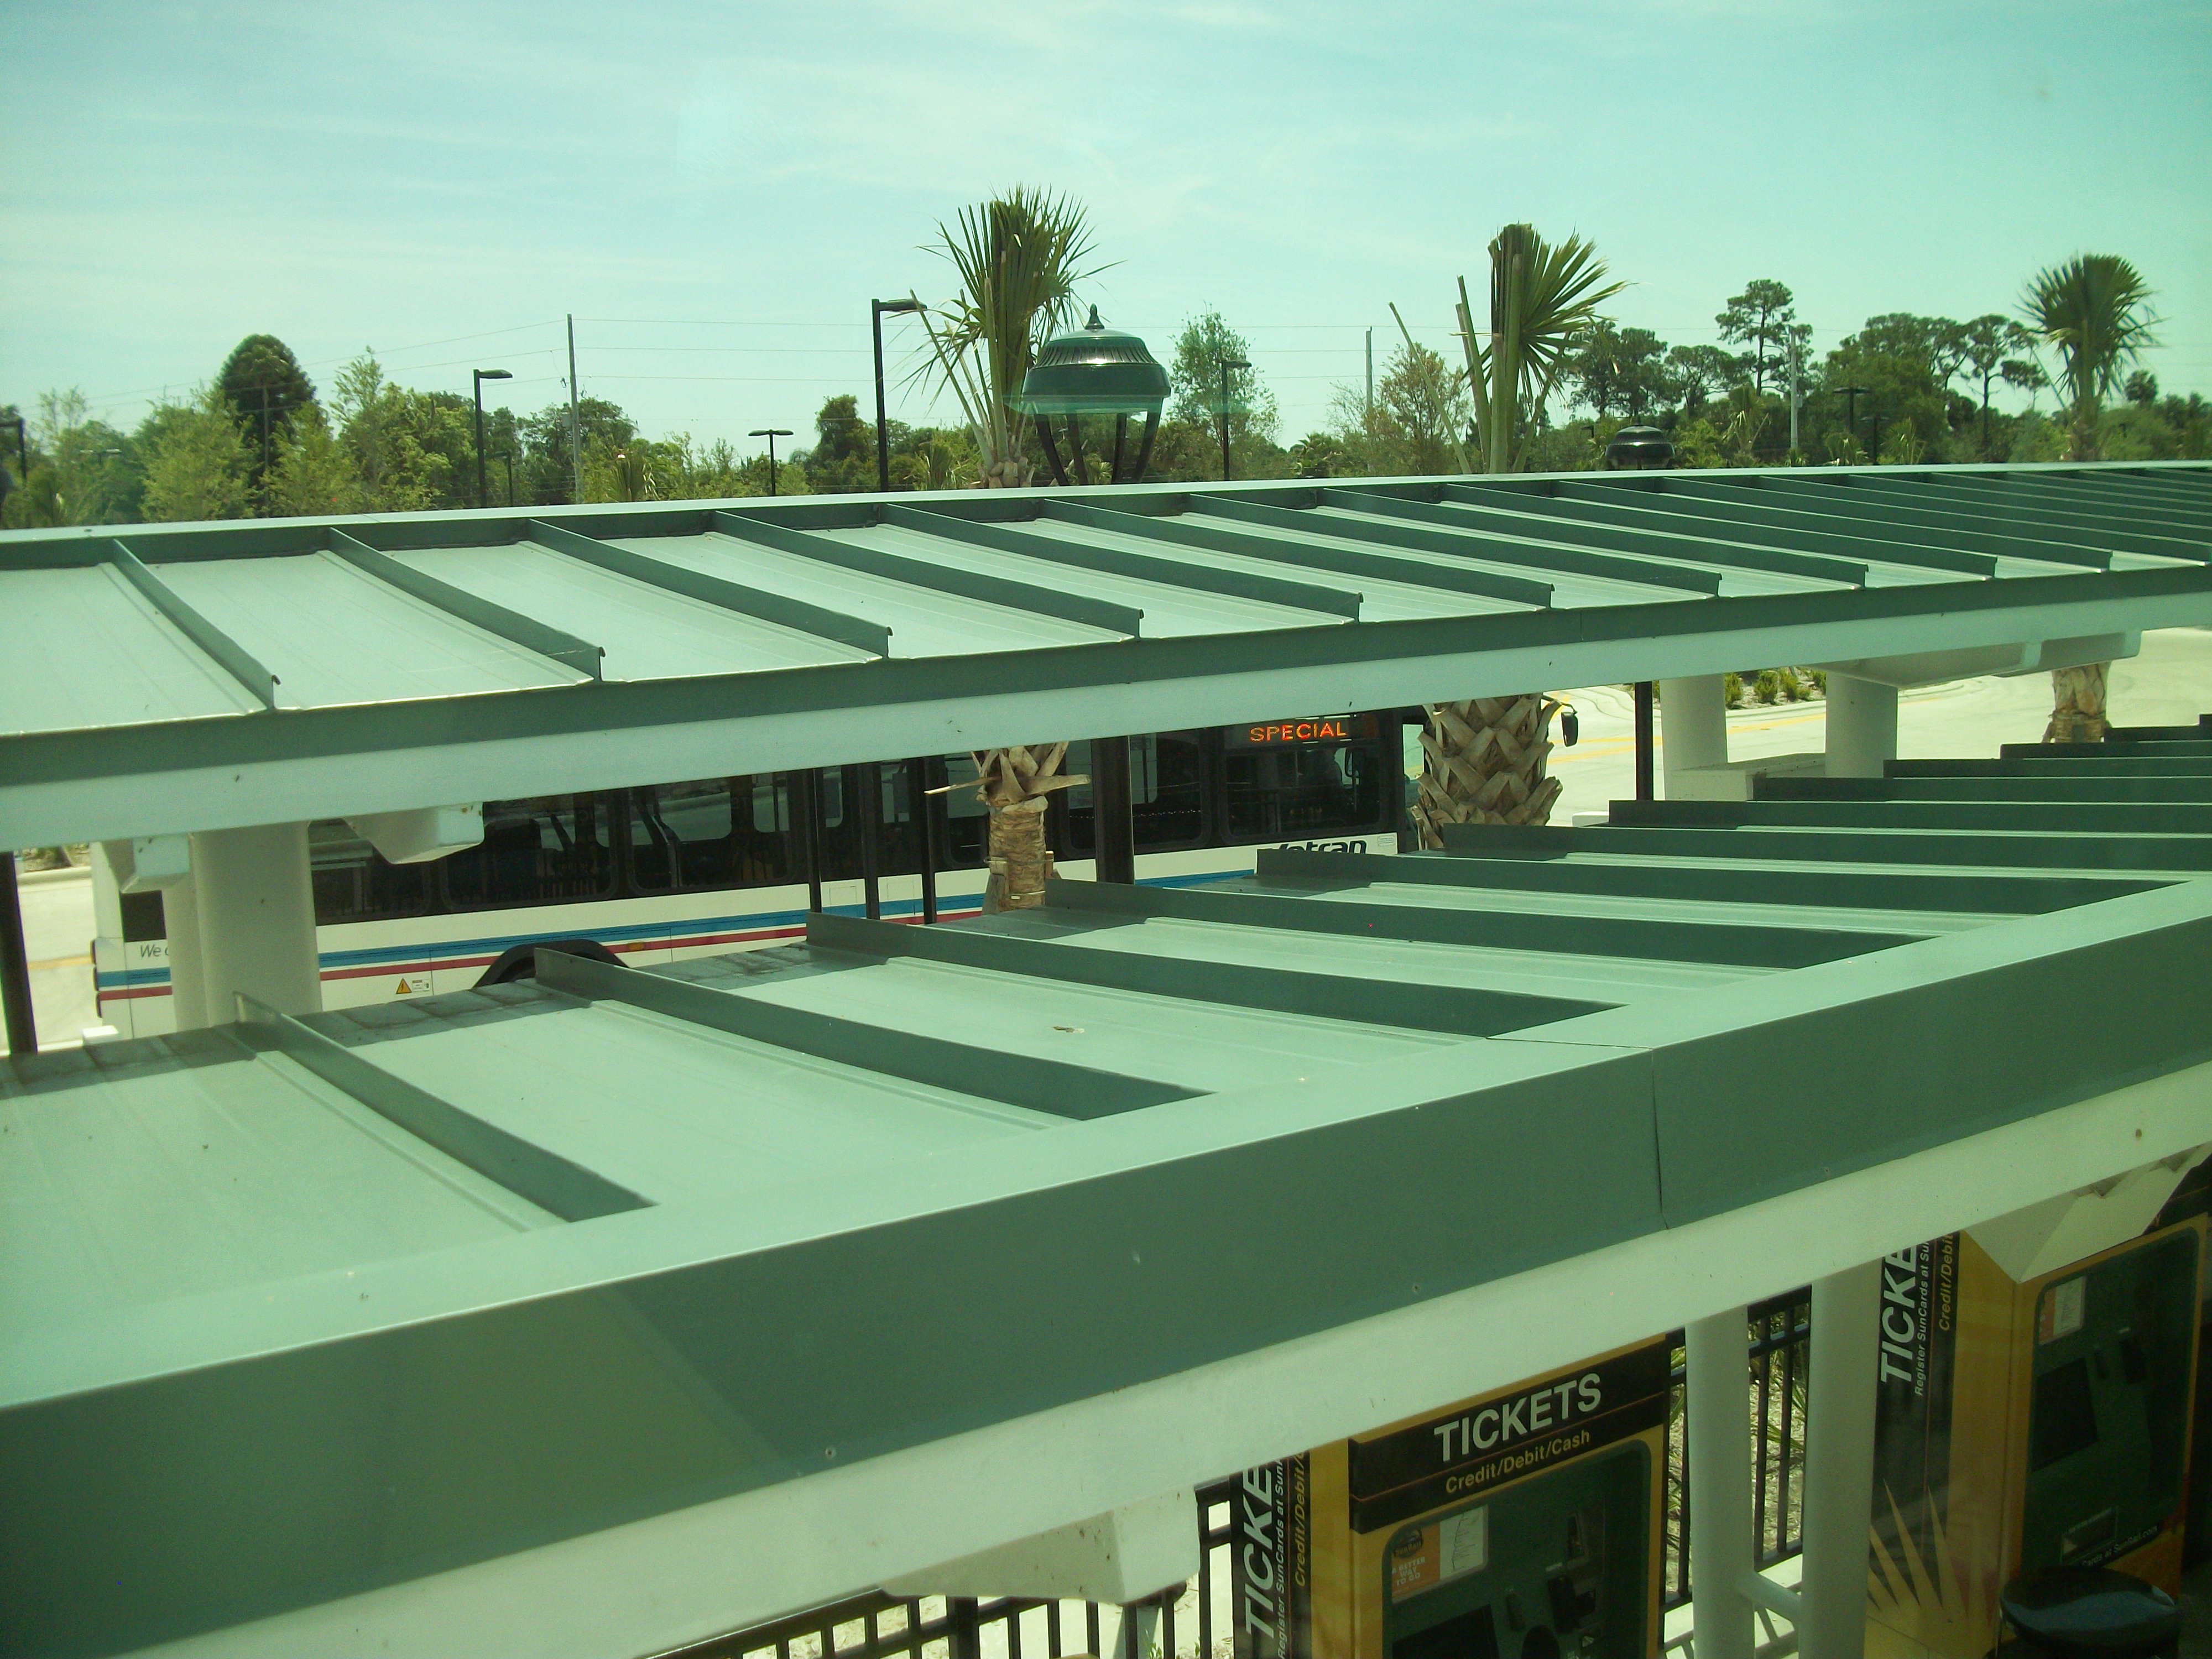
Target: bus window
(966, 820)
(903, 824)
(899, 846)
(535, 851)
(353, 882)
(143, 917)
(715, 832)
(1167, 792)
(1284, 781)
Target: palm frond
(2093, 310)
(1543, 297)
(1019, 257)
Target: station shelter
(618, 1309)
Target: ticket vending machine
(1521, 1524)
(2024, 1426)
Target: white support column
(256, 905)
(1721, 1556)
(1861, 726)
(1692, 725)
(180, 921)
(1140, 1628)
(1839, 1415)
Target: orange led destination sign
(1328, 728)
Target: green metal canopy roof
(613, 1309)
(202, 677)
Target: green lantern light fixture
(1095, 371)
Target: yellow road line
(60, 962)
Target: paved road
(2169, 684)
(58, 938)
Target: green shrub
(1768, 686)
(1732, 690)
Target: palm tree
(1484, 760)
(2094, 312)
(1543, 299)
(1020, 256)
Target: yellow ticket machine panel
(2024, 1426)
(1521, 1524)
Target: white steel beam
(1717, 1402)
(257, 921)
(1840, 1412)
(243, 791)
(657, 1583)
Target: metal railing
(1196, 1620)
(1781, 1340)
(1194, 1624)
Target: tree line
(260, 441)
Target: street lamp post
(770, 432)
(22, 449)
(482, 375)
(876, 310)
(509, 459)
(1852, 394)
(1227, 363)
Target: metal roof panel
(333, 636)
(85, 649)
(169, 1168)
(1170, 611)
(647, 1101)
(924, 622)
(646, 632)
(1200, 1047)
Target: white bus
(660, 871)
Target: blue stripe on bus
(759, 921)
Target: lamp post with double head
(482, 375)
(770, 432)
(1094, 370)
(876, 310)
(22, 454)
(1227, 364)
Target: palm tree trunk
(1483, 762)
(2077, 698)
(1015, 783)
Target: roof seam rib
(1664, 543)
(1145, 567)
(943, 579)
(494, 618)
(236, 661)
(1015, 1079)
(1351, 562)
(1520, 590)
(872, 637)
(546, 1178)
(1424, 526)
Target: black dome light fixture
(1639, 448)
(1095, 371)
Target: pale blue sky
(735, 181)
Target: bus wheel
(520, 961)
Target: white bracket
(1121, 1556)
(1970, 662)
(2074, 1226)
(149, 863)
(423, 834)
